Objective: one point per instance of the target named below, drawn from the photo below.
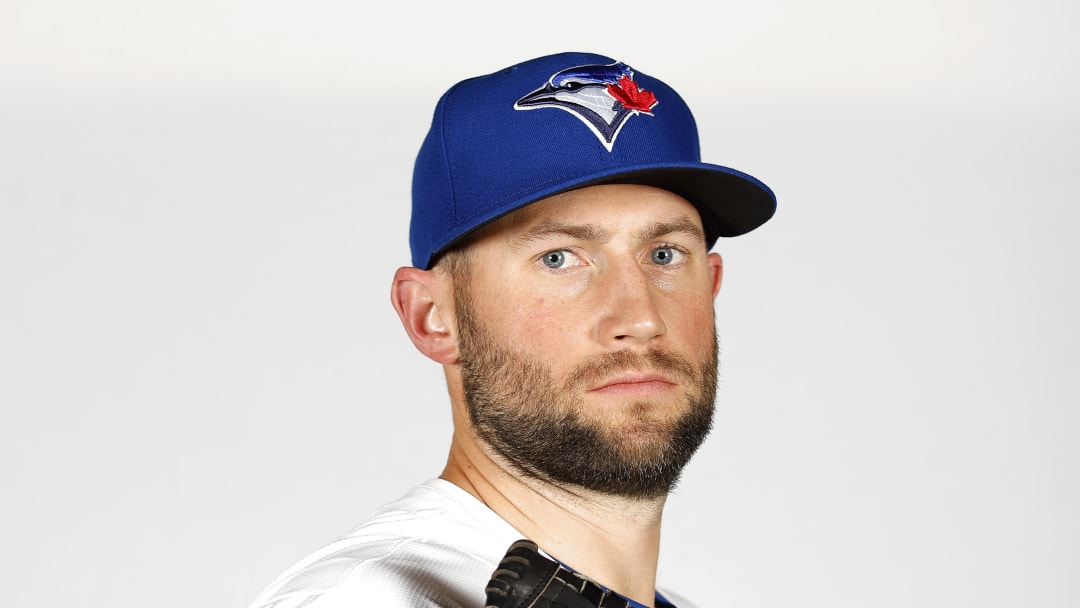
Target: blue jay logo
(602, 96)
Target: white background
(202, 204)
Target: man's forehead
(604, 204)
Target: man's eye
(665, 255)
(554, 259)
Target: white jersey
(435, 547)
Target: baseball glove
(527, 579)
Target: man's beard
(542, 430)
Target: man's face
(586, 338)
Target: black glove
(526, 579)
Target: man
(561, 275)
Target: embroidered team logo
(602, 96)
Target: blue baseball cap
(558, 123)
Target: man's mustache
(609, 364)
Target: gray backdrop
(202, 204)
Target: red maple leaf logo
(630, 96)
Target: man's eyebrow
(583, 232)
(680, 224)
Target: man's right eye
(554, 259)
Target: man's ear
(422, 301)
(716, 269)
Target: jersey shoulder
(436, 546)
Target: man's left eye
(665, 255)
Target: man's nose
(631, 314)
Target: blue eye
(554, 259)
(663, 255)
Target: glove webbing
(527, 579)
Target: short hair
(454, 262)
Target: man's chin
(620, 416)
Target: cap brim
(730, 202)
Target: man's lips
(636, 383)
